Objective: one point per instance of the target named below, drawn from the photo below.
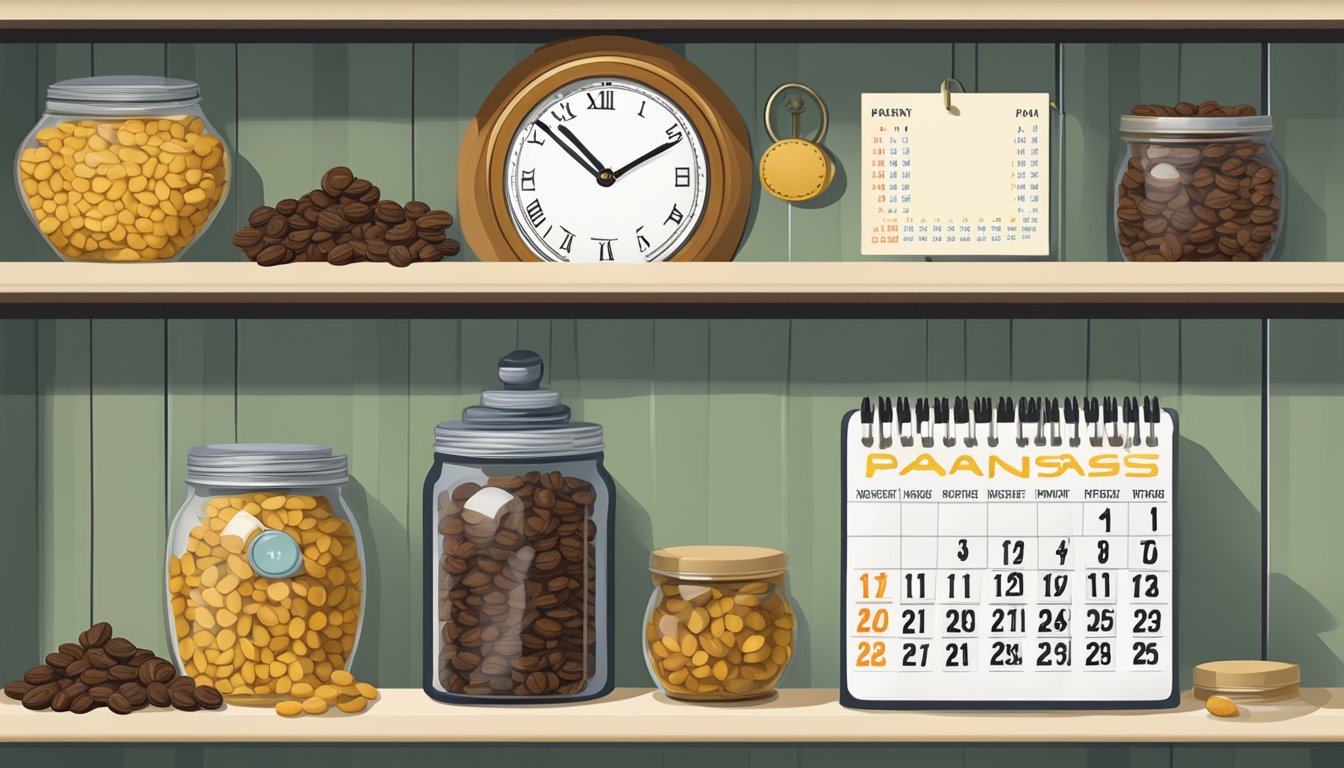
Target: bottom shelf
(639, 715)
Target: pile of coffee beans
(517, 588)
(1187, 109)
(105, 671)
(345, 221)
(1206, 200)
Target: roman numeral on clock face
(601, 100)
(529, 181)
(604, 252)
(535, 214)
(562, 112)
(683, 176)
(567, 245)
(675, 216)
(641, 240)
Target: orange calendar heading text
(1138, 465)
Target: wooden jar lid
(1258, 680)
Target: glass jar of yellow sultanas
(718, 626)
(265, 585)
(122, 169)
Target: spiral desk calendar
(1008, 555)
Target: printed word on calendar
(970, 181)
(1002, 554)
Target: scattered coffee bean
(344, 221)
(17, 689)
(96, 636)
(517, 586)
(39, 697)
(103, 670)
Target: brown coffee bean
(331, 220)
(101, 693)
(208, 697)
(401, 233)
(182, 681)
(96, 636)
(400, 255)
(287, 207)
(134, 692)
(337, 180)
(157, 694)
(272, 255)
(93, 676)
(40, 675)
(122, 673)
(341, 254)
(39, 697)
(99, 659)
(82, 704)
(120, 648)
(61, 702)
(357, 211)
(183, 698)
(120, 704)
(16, 689)
(434, 220)
(59, 660)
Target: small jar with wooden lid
(719, 626)
(1250, 681)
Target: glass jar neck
(121, 108)
(773, 577)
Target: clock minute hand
(568, 149)
(575, 139)
(656, 151)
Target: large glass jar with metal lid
(265, 570)
(122, 169)
(1198, 189)
(518, 549)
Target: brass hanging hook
(945, 89)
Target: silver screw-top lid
(266, 465)
(521, 420)
(121, 89)
(1247, 125)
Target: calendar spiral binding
(1041, 421)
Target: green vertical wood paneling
(20, 92)
(65, 481)
(129, 506)
(20, 547)
(1308, 135)
(200, 393)
(1307, 415)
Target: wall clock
(605, 149)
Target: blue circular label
(275, 555)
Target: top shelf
(1018, 289)
(610, 14)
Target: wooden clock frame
(482, 204)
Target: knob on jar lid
(717, 562)
(1262, 680)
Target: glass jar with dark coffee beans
(518, 549)
(1198, 182)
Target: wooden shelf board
(727, 284)
(640, 715)
(594, 14)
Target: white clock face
(606, 170)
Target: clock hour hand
(656, 151)
(579, 144)
(596, 172)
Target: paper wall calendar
(1009, 555)
(974, 181)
